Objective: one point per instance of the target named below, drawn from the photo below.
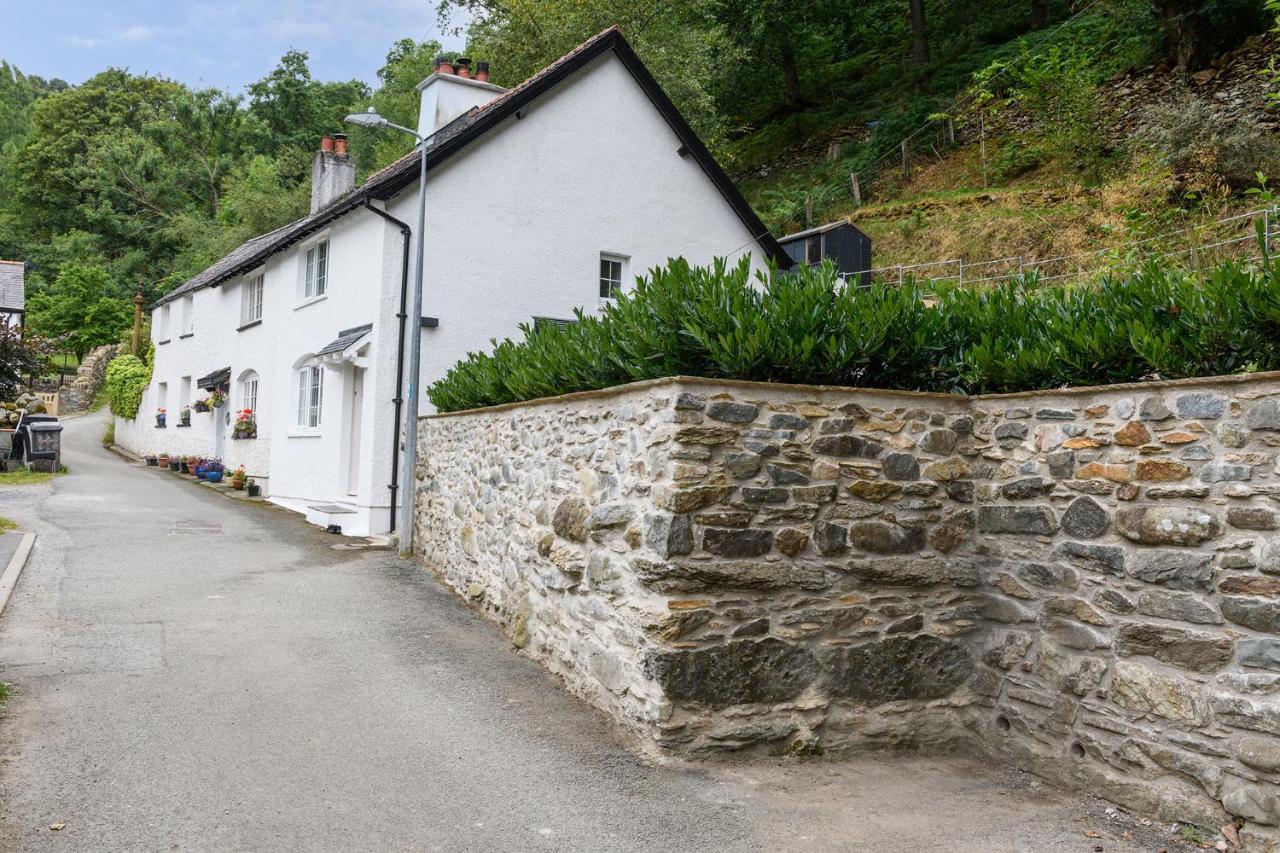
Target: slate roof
(471, 126)
(12, 285)
(345, 338)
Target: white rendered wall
(516, 224)
(296, 467)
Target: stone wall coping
(846, 390)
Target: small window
(165, 311)
(185, 391)
(310, 395)
(162, 397)
(251, 311)
(249, 393)
(612, 271)
(540, 323)
(317, 270)
(188, 315)
(813, 250)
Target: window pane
(322, 267)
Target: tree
(20, 357)
(682, 42)
(408, 63)
(82, 310)
(919, 38)
(1041, 12)
(296, 109)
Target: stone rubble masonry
(76, 395)
(1084, 582)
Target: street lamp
(409, 461)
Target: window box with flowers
(217, 398)
(246, 425)
(202, 406)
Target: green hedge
(802, 327)
(127, 378)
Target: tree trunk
(1040, 12)
(919, 40)
(790, 74)
(1177, 18)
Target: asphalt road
(193, 673)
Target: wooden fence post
(857, 189)
(808, 210)
(906, 164)
(951, 131)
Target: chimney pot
(463, 67)
(326, 143)
(340, 144)
(443, 66)
(482, 71)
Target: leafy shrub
(806, 327)
(1209, 154)
(127, 377)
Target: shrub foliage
(807, 327)
(127, 377)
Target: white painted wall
(444, 97)
(516, 225)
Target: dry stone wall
(1084, 582)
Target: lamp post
(409, 461)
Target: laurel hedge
(806, 326)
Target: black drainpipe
(406, 232)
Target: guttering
(406, 232)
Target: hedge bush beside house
(127, 378)
(806, 327)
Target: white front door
(353, 433)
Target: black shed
(847, 247)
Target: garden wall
(1083, 582)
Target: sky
(223, 43)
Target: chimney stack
(333, 171)
(451, 91)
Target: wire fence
(1244, 237)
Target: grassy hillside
(1075, 139)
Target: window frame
(246, 384)
(310, 412)
(315, 270)
(166, 311)
(254, 295)
(608, 287)
(188, 316)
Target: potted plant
(162, 460)
(239, 478)
(185, 416)
(152, 460)
(182, 464)
(253, 488)
(246, 425)
(202, 405)
(213, 476)
(160, 418)
(217, 398)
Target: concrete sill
(303, 435)
(187, 335)
(312, 301)
(249, 325)
(181, 426)
(165, 341)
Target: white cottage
(540, 199)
